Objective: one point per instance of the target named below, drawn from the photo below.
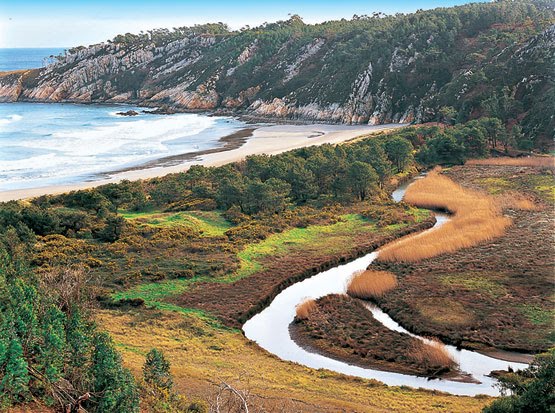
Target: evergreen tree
(15, 378)
(111, 380)
(156, 370)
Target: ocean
(44, 144)
(26, 58)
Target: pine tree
(118, 389)
(156, 370)
(15, 383)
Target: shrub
(530, 391)
(156, 370)
(304, 309)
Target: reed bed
(367, 284)
(432, 355)
(304, 309)
(476, 218)
(535, 161)
(515, 200)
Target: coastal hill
(448, 64)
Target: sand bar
(269, 140)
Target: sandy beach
(269, 140)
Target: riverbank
(268, 140)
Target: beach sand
(268, 140)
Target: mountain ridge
(454, 64)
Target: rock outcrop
(367, 71)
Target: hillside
(447, 64)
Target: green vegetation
(531, 390)
(475, 282)
(538, 315)
(49, 347)
(207, 223)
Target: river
(270, 330)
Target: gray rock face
(296, 78)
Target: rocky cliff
(372, 70)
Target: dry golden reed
(476, 218)
(515, 200)
(535, 161)
(432, 354)
(304, 309)
(368, 284)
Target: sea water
(50, 144)
(27, 58)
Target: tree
(473, 138)
(15, 380)
(442, 149)
(231, 191)
(269, 196)
(51, 357)
(156, 370)
(531, 390)
(113, 228)
(361, 177)
(115, 383)
(399, 151)
(448, 114)
(374, 154)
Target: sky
(63, 23)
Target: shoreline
(269, 140)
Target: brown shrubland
(304, 309)
(371, 284)
(536, 161)
(432, 355)
(476, 218)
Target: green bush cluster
(50, 349)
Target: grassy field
(254, 257)
(204, 352)
(207, 223)
(202, 357)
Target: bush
(532, 390)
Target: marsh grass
(476, 218)
(534, 161)
(433, 355)
(515, 200)
(366, 284)
(304, 309)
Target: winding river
(270, 330)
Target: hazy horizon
(63, 24)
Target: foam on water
(48, 144)
(10, 118)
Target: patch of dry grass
(304, 309)
(476, 218)
(535, 161)
(368, 284)
(433, 355)
(513, 199)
